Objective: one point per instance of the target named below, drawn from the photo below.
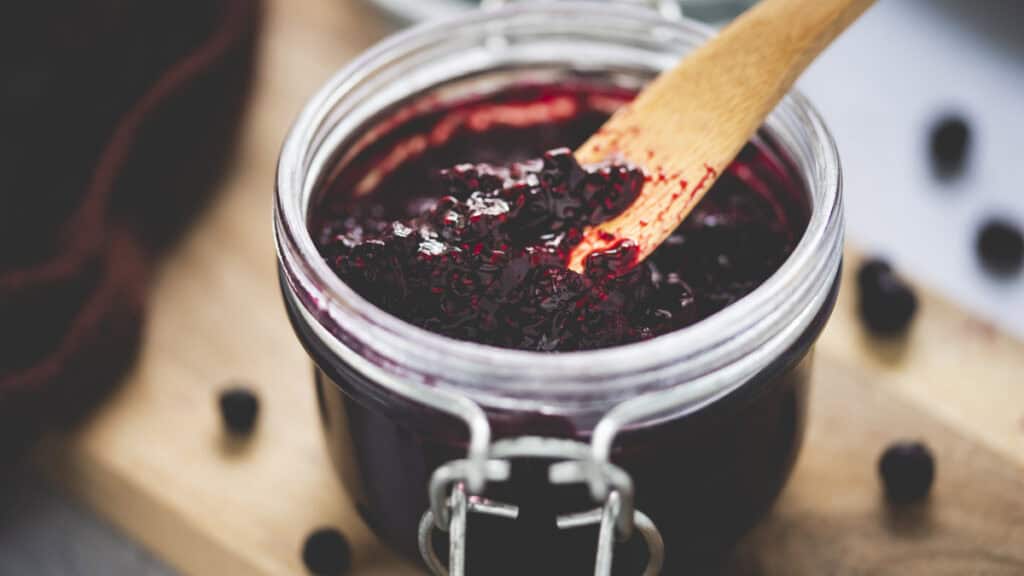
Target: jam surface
(478, 251)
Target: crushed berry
(1000, 245)
(239, 408)
(887, 304)
(479, 251)
(326, 552)
(907, 470)
(949, 141)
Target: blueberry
(871, 271)
(949, 141)
(907, 470)
(239, 408)
(326, 552)
(1001, 247)
(887, 304)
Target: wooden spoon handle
(687, 126)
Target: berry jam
(478, 251)
(453, 217)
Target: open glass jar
(416, 10)
(683, 439)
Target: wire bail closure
(450, 501)
(453, 493)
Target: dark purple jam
(478, 251)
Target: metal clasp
(450, 503)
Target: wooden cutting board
(155, 461)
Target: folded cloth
(116, 117)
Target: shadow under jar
(705, 420)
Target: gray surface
(43, 533)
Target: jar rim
(520, 379)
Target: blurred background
(99, 109)
(883, 88)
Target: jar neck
(708, 358)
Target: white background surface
(881, 87)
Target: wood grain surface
(154, 459)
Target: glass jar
(695, 430)
(417, 10)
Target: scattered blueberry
(887, 304)
(239, 408)
(949, 141)
(1001, 247)
(327, 552)
(908, 470)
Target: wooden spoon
(687, 125)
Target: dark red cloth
(116, 117)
